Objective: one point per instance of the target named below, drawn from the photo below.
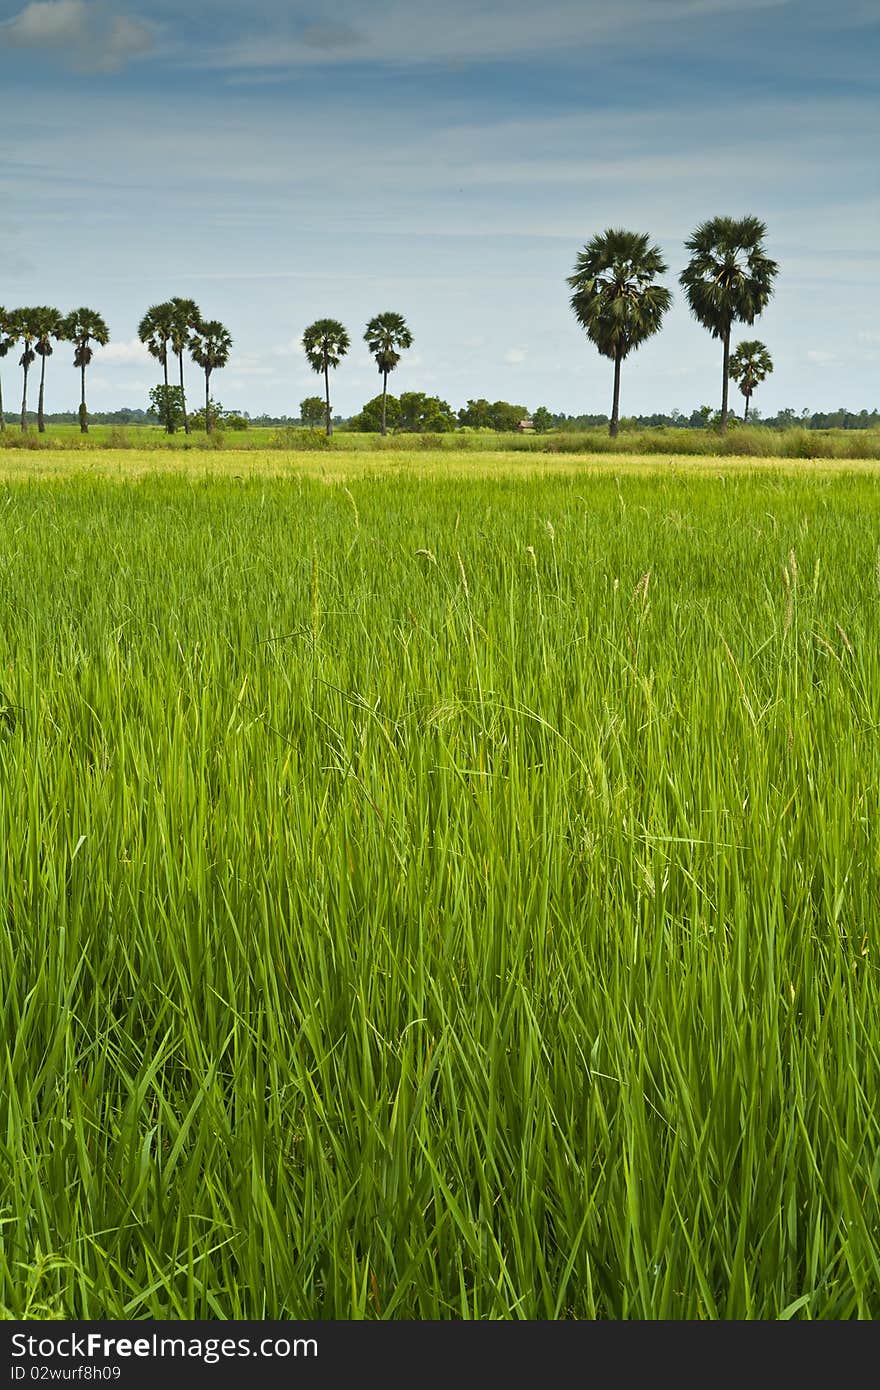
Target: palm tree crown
(23, 328)
(615, 296)
(750, 364)
(48, 324)
(155, 331)
(185, 318)
(6, 342)
(387, 335)
(210, 346)
(729, 278)
(325, 343)
(82, 327)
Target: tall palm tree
(23, 329)
(615, 297)
(209, 347)
(750, 364)
(325, 343)
(49, 324)
(5, 344)
(728, 278)
(82, 327)
(155, 331)
(387, 336)
(185, 318)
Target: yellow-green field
(438, 885)
(334, 465)
(745, 441)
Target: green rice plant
(431, 892)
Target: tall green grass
(425, 899)
(754, 441)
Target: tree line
(36, 330)
(618, 300)
(174, 328)
(616, 296)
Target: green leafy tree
(421, 414)
(210, 346)
(166, 404)
(728, 279)
(506, 417)
(49, 325)
(542, 420)
(376, 415)
(325, 343)
(750, 364)
(616, 298)
(312, 411)
(185, 319)
(83, 327)
(155, 331)
(476, 415)
(6, 342)
(387, 336)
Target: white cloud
(398, 31)
(89, 33)
(515, 356)
(123, 353)
(292, 348)
(818, 356)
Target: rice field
(439, 887)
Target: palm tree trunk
(384, 395)
(183, 396)
(169, 428)
(615, 405)
(24, 400)
(726, 382)
(41, 423)
(746, 411)
(83, 412)
(2, 416)
(207, 400)
(327, 397)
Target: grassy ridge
(428, 900)
(746, 441)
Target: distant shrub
(14, 439)
(806, 444)
(289, 437)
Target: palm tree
(729, 278)
(48, 324)
(210, 346)
(5, 344)
(325, 343)
(185, 318)
(615, 298)
(23, 329)
(386, 337)
(82, 327)
(750, 364)
(155, 330)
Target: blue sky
(281, 162)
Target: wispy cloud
(396, 31)
(123, 353)
(88, 34)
